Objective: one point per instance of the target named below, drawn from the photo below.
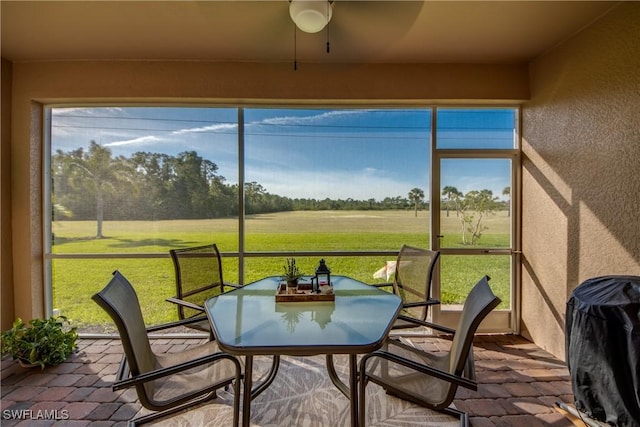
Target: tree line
(94, 184)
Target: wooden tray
(303, 293)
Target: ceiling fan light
(310, 16)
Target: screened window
(471, 128)
(350, 185)
(262, 183)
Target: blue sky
(306, 153)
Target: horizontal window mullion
(223, 254)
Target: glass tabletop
(248, 320)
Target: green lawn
(75, 280)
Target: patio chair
(198, 277)
(165, 383)
(412, 282)
(427, 379)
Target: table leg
(246, 392)
(266, 382)
(353, 388)
(351, 391)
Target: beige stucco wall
(38, 83)
(581, 169)
(6, 258)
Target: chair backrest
(480, 301)
(414, 272)
(198, 276)
(120, 301)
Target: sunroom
(535, 102)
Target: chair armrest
(381, 285)
(421, 303)
(425, 369)
(185, 303)
(176, 323)
(170, 370)
(427, 324)
(123, 369)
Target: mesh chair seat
(425, 378)
(168, 382)
(412, 282)
(164, 390)
(198, 272)
(409, 381)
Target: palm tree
(450, 193)
(103, 172)
(416, 195)
(506, 191)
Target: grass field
(75, 280)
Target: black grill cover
(603, 348)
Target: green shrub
(42, 342)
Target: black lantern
(323, 276)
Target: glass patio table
(249, 322)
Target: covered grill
(603, 348)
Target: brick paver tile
(126, 412)
(92, 368)
(95, 349)
(104, 381)
(80, 410)
(35, 423)
(480, 422)
(104, 411)
(56, 407)
(528, 405)
(554, 388)
(518, 421)
(102, 394)
(555, 420)
(489, 391)
(39, 379)
(499, 377)
(11, 367)
(79, 394)
(64, 368)
(53, 394)
(72, 423)
(87, 381)
(485, 407)
(521, 389)
(18, 406)
(127, 396)
(26, 393)
(114, 358)
(110, 369)
(5, 390)
(550, 401)
(64, 380)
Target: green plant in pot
(40, 342)
(291, 272)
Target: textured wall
(581, 169)
(6, 255)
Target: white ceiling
(258, 31)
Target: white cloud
(292, 120)
(143, 140)
(210, 128)
(86, 111)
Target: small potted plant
(291, 272)
(40, 342)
